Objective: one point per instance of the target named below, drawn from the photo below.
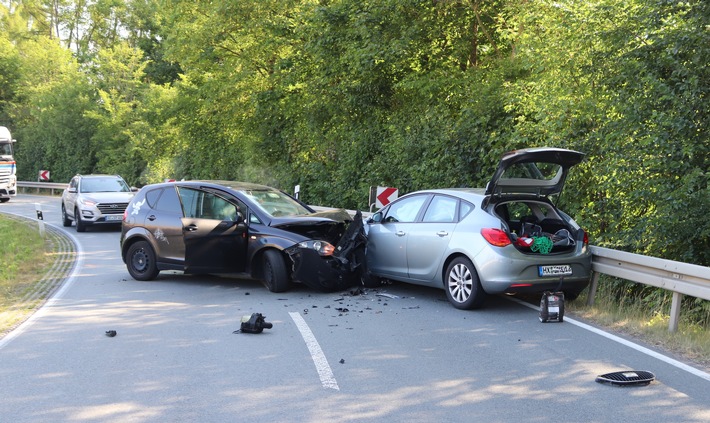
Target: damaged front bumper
(334, 272)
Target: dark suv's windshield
(276, 203)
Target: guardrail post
(593, 288)
(675, 312)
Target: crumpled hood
(328, 217)
(326, 225)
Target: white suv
(95, 200)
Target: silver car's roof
(469, 194)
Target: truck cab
(8, 168)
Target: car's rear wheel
(66, 222)
(80, 226)
(274, 271)
(463, 288)
(140, 261)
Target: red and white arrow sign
(43, 175)
(386, 195)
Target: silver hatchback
(506, 238)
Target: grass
(26, 258)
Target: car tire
(66, 222)
(80, 226)
(274, 271)
(4, 200)
(463, 288)
(140, 261)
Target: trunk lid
(539, 171)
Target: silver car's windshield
(276, 203)
(104, 185)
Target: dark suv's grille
(112, 208)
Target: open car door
(214, 233)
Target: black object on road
(255, 323)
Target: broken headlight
(324, 248)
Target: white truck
(8, 167)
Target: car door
(213, 231)
(428, 239)
(163, 219)
(387, 239)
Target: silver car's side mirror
(376, 218)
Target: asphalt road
(397, 354)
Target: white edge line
(639, 348)
(324, 371)
(78, 264)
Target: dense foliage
(340, 95)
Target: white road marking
(630, 344)
(324, 371)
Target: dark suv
(95, 200)
(237, 227)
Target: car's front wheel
(80, 226)
(140, 261)
(275, 276)
(463, 288)
(66, 222)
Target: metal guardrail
(677, 277)
(24, 186)
(680, 278)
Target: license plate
(113, 217)
(558, 270)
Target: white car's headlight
(87, 202)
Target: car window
(536, 171)
(406, 209)
(276, 203)
(206, 205)
(168, 201)
(151, 197)
(441, 209)
(464, 209)
(104, 185)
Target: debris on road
(254, 324)
(110, 333)
(627, 378)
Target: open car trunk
(537, 227)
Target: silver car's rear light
(496, 237)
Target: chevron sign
(386, 195)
